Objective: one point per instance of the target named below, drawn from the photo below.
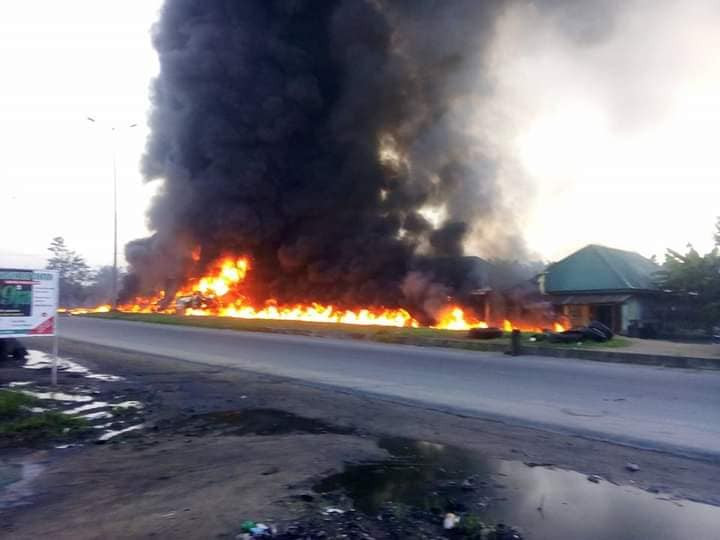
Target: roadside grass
(383, 334)
(17, 420)
(12, 403)
(615, 343)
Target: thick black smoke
(312, 135)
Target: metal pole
(55, 355)
(115, 227)
(56, 338)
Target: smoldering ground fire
(324, 142)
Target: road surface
(652, 407)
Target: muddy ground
(219, 446)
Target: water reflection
(546, 503)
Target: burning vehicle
(195, 301)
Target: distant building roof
(601, 269)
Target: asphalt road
(652, 407)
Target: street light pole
(113, 131)
(113, 303)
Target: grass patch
(45, 424)
(615, 343)
(13, 403)
(17, 421)
(384, 334)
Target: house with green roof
(613, 286)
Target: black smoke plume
(313, 135)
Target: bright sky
(617, 140)
(62, 61)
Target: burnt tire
(569, 336)
(604, 329)
(485, 333)
(594, 334)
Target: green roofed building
(609, 285)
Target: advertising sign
(28, 302)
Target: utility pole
(113, 131)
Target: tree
(74, 272)
(101, 287)
(695, 281)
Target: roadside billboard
(28, 302)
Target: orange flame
(454, 318)
(220, 293)
(223, 289)
(81, 311)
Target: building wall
(632, 310)
(578, 315)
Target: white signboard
(28, 302)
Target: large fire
(220, 293)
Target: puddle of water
(545, 503)
(96, 416)
(41, 360)
(110, 434)
(58, 396)
(88, 407)
(269, 422)
(15, 480)
(128, 405)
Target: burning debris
(224, 292)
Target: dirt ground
(220, 446)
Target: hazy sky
(615, 137)
(61, 62)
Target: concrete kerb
(686, 362)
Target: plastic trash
(632, 467)
(260, 530)
(450, 521)
(331, 510)
(247, 526)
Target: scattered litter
(450, 521)
(243, 397)
(169, 514)
(632, 467)
(468, 485)
(594, 478)
(247, 526)
(331, 510)
(260, 530)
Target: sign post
(28, 306)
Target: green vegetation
(13, 403)
(472, 528)
(614, 343)
(18, 421)
(45, 424)
(384, 334)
